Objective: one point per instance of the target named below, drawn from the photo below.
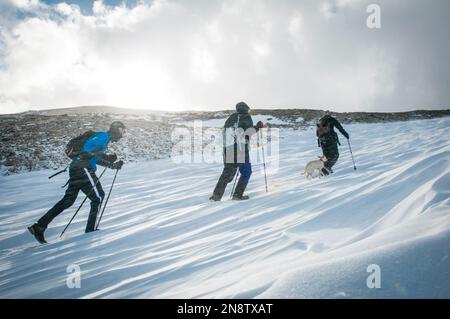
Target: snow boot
(214, 198)
(38, 233)
(243, 197)
(91, 231)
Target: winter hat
(242, 107)
(116, 130)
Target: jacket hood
(242, 108)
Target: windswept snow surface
(162, 238)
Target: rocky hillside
(36, 140)
(291, 116)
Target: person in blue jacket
(82, 177)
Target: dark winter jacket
(327, 138)
(236, 150)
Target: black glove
(112, 158)
(117, 165)
(346, 135)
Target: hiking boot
(38, 233)
(214, 199)
(243, 197)
(91, 231)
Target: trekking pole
(264, 161)
(60, 172)
(351, 153)
(107, 198)
(82, 203)
(234, 185)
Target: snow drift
(161, 238)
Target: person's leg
(38, 229)
(331, 161)
(67, 201)
(246, 171)
(95, 193)
(228, 173)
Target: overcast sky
(210, 54)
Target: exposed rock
(36, 140)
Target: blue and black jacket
(96, 146)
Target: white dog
(313, 165)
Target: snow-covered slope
(162, 238)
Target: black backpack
(74, 147)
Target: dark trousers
(83, 179)
(228, 173)
(332, 159)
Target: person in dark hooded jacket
(328, 140)
(238, 129)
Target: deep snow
(161, 238)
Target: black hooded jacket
(329, 140)
(242, 121)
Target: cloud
(26, 4)
(330, 8)
(172, 55)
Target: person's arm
(95, 147)
(116, 165)
(340, 128)
(247, 123)
(230, 120)
(259, 126)
(106, 157)
(317, 134)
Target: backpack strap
(236, 126)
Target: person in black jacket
(328, 140)
(238, 129)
